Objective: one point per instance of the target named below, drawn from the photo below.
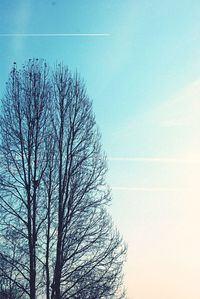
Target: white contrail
(53, 34)
(148, 189)
(153, 159)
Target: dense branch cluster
(56, 237)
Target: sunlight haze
(140, 62)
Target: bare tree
(56, 234)
(24, 141)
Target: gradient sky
(144, 78)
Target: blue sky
(144, 79)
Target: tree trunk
(56, 292)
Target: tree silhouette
(56, 235)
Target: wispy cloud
(154, 159)
(169, 123)
(149, 189)
(20, 23)
(181, 109)
(54, 34)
